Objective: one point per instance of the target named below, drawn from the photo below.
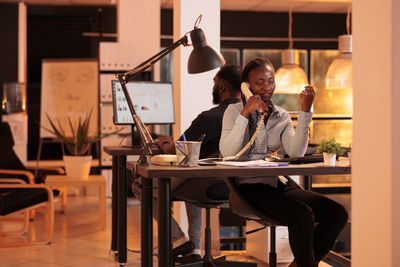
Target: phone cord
(252, 139)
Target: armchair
(12, 168)
(17, 196)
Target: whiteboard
(69, 88)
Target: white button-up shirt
(278, 132)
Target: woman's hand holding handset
(253, 103)
(307, 98)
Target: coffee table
(92, 180)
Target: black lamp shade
(203, 57)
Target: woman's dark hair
(231, 74)
(253, 64)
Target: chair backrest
(8, 158)
(240, 206)
(6, 138)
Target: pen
(183, 137)
(182, 150)
(202, 137)
(179, 144)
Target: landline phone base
(166, 159)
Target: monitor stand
(136, 141)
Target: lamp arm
(145, 136)
(135, 72)
(125, 77)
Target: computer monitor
(153, 102)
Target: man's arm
(197, 128)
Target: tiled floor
(78, 240)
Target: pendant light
(339, 75)
(290, 77)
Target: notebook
(297, 160)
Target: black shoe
(187, 259)
(183, 249)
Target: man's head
(227, 83)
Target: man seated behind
(226, 91)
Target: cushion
(20, 198)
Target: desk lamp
(202, 58)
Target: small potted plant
(330, 149)
(76, 139)
(349, 153)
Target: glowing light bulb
(290, 78)
(340, 72)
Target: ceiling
(305, 6)
(311, 6)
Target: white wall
(376, 133)
(192, 92)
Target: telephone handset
(247, 93)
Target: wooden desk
(118, 198)
(93, 180)
(163, 174)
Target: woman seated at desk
(313, 221)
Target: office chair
(242, 207)
(184, 193)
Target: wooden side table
(93, 180)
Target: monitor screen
(153, 102)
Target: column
(192, 92)
(376, 145)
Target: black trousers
(314, 221)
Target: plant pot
(77, 166)
(329, 159)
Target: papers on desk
(252, 163)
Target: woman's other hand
(307, 98)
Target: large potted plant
(75, 138)
(330, 149)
